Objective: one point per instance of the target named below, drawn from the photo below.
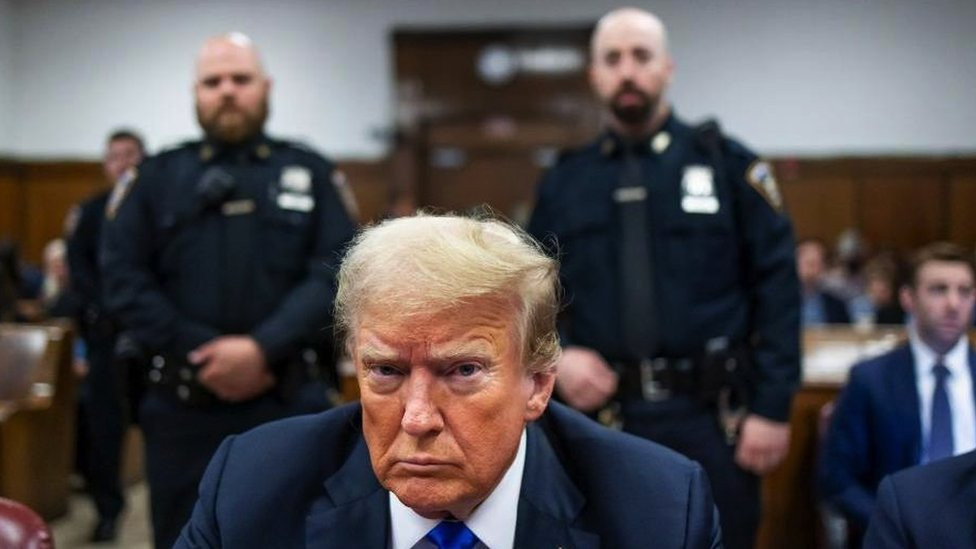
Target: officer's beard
(632, 113)
(232, 124)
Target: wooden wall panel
(962, 209)
(11, 202)
(897, 202)
(50, 192)
(902, 212)
(503, 180)
(370, 183)
(821, 205)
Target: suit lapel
(354, 509)
(904, 401)
(549, 502)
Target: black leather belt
(657, 378)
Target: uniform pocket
(285, 239)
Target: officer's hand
(584, 380)
(233, 367)
(763, 444)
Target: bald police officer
(219, 259)
(682, 317)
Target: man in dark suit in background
(450, 322)
(929, 506)
(102, 393)
(914, 404)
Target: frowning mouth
(423, 461)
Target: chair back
(22, 528)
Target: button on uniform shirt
(493, 521)
(959, 386)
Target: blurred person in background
(820, 306)
(101, 397)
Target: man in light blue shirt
(914, 404)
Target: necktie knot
(452, 535)
(940, 371)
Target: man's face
(445, 399)
(231, 92)
(120, 156)
(941, 302)
(630, 68)
(810, 264)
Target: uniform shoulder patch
(120, 191)
(760, 176)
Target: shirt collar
(257, 147)
(493, 521)
(611, 143)
(956, 360)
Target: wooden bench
(37, 415)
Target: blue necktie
(452, 535)
(940, 435)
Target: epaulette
(759, 173)
(297, 145)
(708, 135)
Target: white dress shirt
(959, 387)
(493, 521)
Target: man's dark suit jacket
(307, 482)
(875, 431)
(929, 506)
(835, 310)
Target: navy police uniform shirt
(722, 252)
(209, 240)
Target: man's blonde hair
(418, 266)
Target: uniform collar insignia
(206, 152)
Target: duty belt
(656, 379)
(179, 378)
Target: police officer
(101, 395)
(682, 301)
(219, 259)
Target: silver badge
(698, 190)
(296, 179)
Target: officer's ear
(669, 68)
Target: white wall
(7, 136)
(787, 76)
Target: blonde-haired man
(451, 324)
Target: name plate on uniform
(296, 202)
(237, 207)
(629, 194)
